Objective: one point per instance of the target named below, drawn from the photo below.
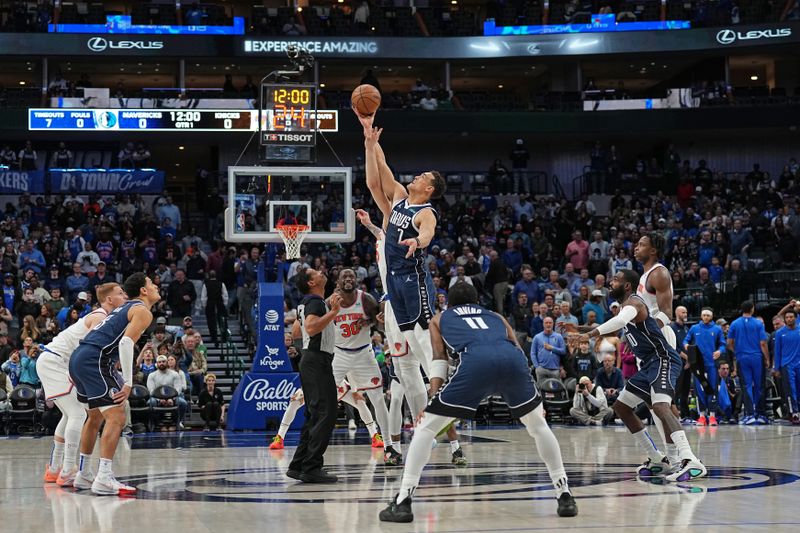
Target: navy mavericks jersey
(470, 325)
(401, 227)
(103, 339)
(647, 341)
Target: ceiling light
(500, 86)
(754, 78)
(181, 147)
(22, 83)
(322, 85)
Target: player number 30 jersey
(350, 335)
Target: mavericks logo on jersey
(400, 220)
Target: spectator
(27, 305)
(29, 329)
(172, 364)
(28, 157)
(171, 211)
(88, 259)
(63, 157)
(141, 158)
(577, 251)
(28, 375)
(7, 388)
(729, 394)
(76, 283)
(594, 305)
(512, 258)
(589, 405)
(31, 258)
(145, 364)
(199, 364)
(584, 361)
(164, 376)
(361, 17)
(8, 157)
(519, 164)
(527, 285)
(520, 317)
(610, 379)
(547, 350)
(12, 366)
(583, 280)
(181, 294)
(499, 177)
(212, 403)
(125, 157)
(565, 318)
(214, 299)
(428, 102)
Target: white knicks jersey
(380, 255)
(350, 335)
(67, 341)
(650, 297)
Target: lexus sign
(732, 36)
(101, 44)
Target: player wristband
(419, 244)
(439, 368)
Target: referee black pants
(319, 390)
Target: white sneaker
(66, 479)
(687, 470)
(83, 480)
(352, 424)
(107, 485)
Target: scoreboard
(144, 120)
(288, 108)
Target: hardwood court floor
(230, 483)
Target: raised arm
(392, 190)
(374, 183)
(366, 221)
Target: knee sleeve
(414, 385)
(61, 427)
(546, 444)
(629, 399)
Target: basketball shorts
(96, 383)
(656, 380)
(358, 366)
(53, 371)
(488, 371)
(412, 296)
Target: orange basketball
(366, 99)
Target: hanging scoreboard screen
(288, 115)
(144, 120)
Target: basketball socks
(419, 453)
(56, 456)
(454, 446)
(288, 418)
(105, 468)
(672, 453)
(73, 438)
(83, 463)
(649, 447)
(682, 443)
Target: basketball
(366, 99)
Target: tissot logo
(731, 36)
(100, 44)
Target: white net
(293, 236)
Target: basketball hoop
(293, 235)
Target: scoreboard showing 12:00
(142, 119)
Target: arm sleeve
(126, 359)
(626, 314)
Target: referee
(316, 377)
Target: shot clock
(289, 111)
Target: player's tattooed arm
(366, 221)
(439, 353)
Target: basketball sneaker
(107, 485)
(83, 480)
(650, 469)
(687, 471)
(566, 505)
(795, 419)
(352, 424)
(458, 458)
(66, 479)
(397, 512)
(377, 441)
(763, 420)
(277, 443)
(50, 476)
(712, 421)
(701, 421)
(392, 457)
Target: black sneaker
(458, 458)
(392, 457)
(566, 505)
(318, 476)
(294, 474)
(397, 512)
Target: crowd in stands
(50, 277)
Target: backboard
(261, 198)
